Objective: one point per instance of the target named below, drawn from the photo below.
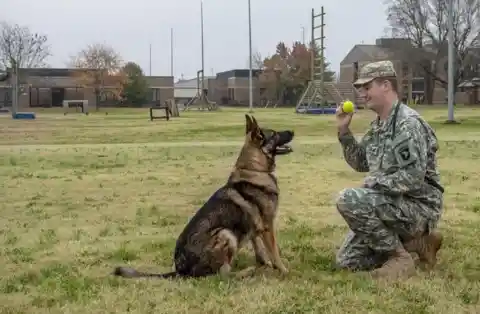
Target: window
(355, 71)
(154, 94)
(418, 86)
(418, 72)
(471, 71)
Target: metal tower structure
(314, 94)
(317, 64)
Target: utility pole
(171, 52)
(317, 72)
(150, 58)
(203, 56)
(451, 56)
(250, 76)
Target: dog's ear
(255, 122)
(248, 124)
(257, 134)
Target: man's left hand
(369, 182)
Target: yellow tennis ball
(348, 106)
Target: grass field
(82, 194)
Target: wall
(37, 89)
(162, 87)
(241, 89)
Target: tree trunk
(429, 88)
(97, 99)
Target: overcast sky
(131, 26)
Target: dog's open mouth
(283, 146)
(283, 149)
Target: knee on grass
(348, 199)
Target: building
(228, 88)
(49, 87)
(414, 83)
(232, 87)
(185, 90)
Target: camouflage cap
(374, 70)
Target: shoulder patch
(404, 153)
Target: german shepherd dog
(242, 210)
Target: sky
(131, 27)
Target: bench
(83, 104)
(160, 107)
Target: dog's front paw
(283, 270)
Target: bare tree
(101, 70)
(257, 60)
(425, 23)
(21, 48)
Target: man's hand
(343, 119)
(369, 182)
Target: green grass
(83, 194)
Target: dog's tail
(127, 272)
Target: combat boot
(426, 246)
(400, 265)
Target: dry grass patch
(70, 213)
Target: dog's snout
(289, 133)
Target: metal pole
(322, 49)
(312, 49)
(303, 35)
(150, 62)
(15, 88)
(171, 52)
(250, 83)
(451, 55)
(203, 59)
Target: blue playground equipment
(319, 110)
(24, 115)
(315, 99)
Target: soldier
(397, 209)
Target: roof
(393, 49)
(238, 73)
(192, 83)
(363, 52)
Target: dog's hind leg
(224, 248)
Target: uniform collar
(382, 125)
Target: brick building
(413, 82)
(232, 88)
(49, 87)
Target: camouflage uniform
(401, 197)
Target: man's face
(373, 93)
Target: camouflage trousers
(378, 224)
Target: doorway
(58, 96)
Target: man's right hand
(343, 120)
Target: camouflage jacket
(400, 155)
